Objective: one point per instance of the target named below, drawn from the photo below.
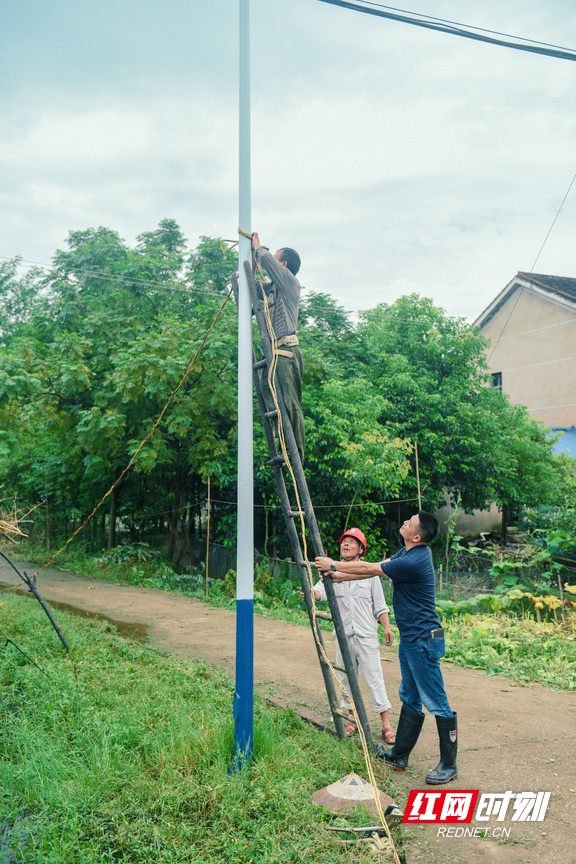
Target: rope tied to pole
(282, 440)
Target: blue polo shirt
(411, 572)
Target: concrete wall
(534, 346)
(472, 525)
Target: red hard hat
(357, 534)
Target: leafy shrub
(129, 553)
(517, 602)
(521, 648)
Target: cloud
(392, 158)
(94, 138)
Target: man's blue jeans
(422, 682)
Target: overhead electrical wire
(186, 288)
(468, 31)
(553, 223)
(465, 31)
(190, 290)
(501, 336)
(460, 24)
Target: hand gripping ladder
(291, 514)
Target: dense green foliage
(472, 442)
(520, 648)
(121, 754)
(90, 363)
(91, 350)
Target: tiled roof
(560, 285)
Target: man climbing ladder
(282, 290)
(302, 512)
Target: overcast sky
(393, 158)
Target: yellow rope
(281, 436)
(142, 443)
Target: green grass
(121, 754)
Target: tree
(86, 379)
(430, 367)
(93, 350)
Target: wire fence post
(207, 540)
(418, 476)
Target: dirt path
(512, 738)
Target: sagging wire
(454, 29)
(84, 274)
(553, 223)
(282, 440)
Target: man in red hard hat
(362, 606)
(411, 571)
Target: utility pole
(244, 692)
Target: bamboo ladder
(291, 515)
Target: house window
(497, 380)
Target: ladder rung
(277, 460)
(343, 714)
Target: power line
(558, 405)
(407, 322)
(187, 288)
(359, 505)
(460, 24)
(519, 294)
(466, 31)
(539, 330)
(539, 364)
(190, 289)
(553, 223)
(271, 507)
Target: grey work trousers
(289, 373)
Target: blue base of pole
(243, 708)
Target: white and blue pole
(244, 693)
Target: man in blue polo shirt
(421, 642)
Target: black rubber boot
(407, 734)
(446, 769)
